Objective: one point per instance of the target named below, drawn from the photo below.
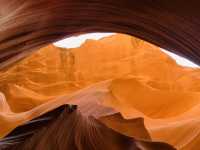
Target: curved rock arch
(26, 25)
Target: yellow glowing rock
(121, 72)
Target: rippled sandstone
(117, 74)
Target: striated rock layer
(117, 80)
(170, 105)
(26, 25)
(66, 128)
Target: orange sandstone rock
(115, 74)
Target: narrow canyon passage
(122, 81)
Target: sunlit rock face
(117, 80)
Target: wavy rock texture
(172, 25)
(170, 105)
(117, 80)
(66, 128)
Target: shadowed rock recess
(127, 96)
(66, 128)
